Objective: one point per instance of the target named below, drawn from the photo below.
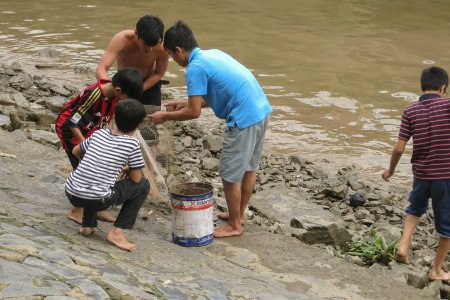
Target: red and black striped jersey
(89, 110)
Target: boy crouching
(93, 184)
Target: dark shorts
(125, 192)
(74, 161)
(439, 192)
(152, 96)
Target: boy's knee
(144, 186)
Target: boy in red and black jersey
(92, 109)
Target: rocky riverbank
(299, 225)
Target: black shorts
(152, 96)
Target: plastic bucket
(192, 214)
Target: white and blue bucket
(192, 214)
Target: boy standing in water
(90, 110)
(93, 186)
(428, 123)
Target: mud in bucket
(192, 214)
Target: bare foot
(75, 214)
(87, 231)
(225, 216)
(104, 216)
(116, 237)
(402, 253)
(438, 276)
(401, 258)
(227, 230)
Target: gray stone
(417, 279)
(53, 268)
(90, 288)
(188, 141)
(7, 100)
(20, 100)
(22, 280)
(4, 121)
(120, 285)
(15, 242)
(210, 163)
(54, 256)
(15, 256)
(56, 103)
(6, 110)
(59, 90)
(213, 143)
(44, 118)
(45, 137)
(87, 257)
(21, 81)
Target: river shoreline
(31, 95)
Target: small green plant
(374, 250)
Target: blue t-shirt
(228, 87)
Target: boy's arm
(191, 110)
(109, 57)
(399, 148)
(161, 65)
(77, 133)
(78, 152)
(136, 175)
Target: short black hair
(130, 81)
(150, 29)
(128, 114)
(179, 35)
(432, 79)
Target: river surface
(338, 72)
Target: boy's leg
(247, 186)
(441, 209)
(76, 213)
(233, 197)
(131, 195)
(90, 208)
(240, 158)
(411, 221)
(436, 272)
(418, 205)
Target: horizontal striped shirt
(105, 156)
(428, 123)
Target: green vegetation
(374, 250)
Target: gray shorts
(242, 150)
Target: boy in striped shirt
(105, 155)
(428, 123)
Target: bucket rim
(202, 184)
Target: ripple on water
(407, 96)
(324, 99)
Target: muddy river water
(338, 73)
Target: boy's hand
(125, 173)
(175, 105)
(386, 175)
(157, 117)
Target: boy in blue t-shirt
(217, 80)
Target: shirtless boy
(142, 49)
